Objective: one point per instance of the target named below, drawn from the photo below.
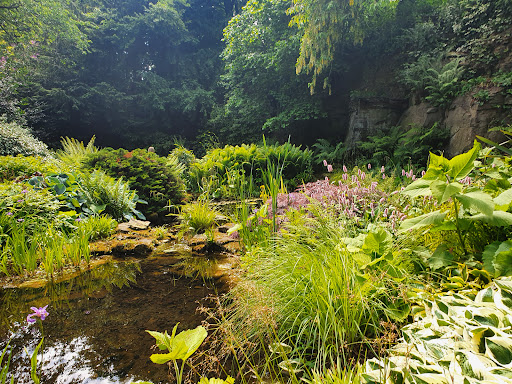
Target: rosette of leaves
(456, 338)
(155, 179)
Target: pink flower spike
(345, 168)
(369, 166)
(382, 169)
(329, 168)
(325, 163)
(423, 173)
(383, 175)
(403, 172)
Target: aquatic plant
(196, 217)
(41, 313)
(179, 347)
(37, 312)
(4, 367)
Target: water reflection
(95, 330)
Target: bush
(226, 167)
(149, 174)
(21, 167)
(17, 140)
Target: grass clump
(319, 292)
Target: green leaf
(463, 164)
(378, 242)
(488, 256)
(503, 259)
(429, 378)
(437, 168)
(182, 346)
(504, 200)
(440, 258)
(163, 340)
(500, 147)
(497, 219)
(443, 192)
(59, 188)
(478, 201)
(499, 348)
(420, 187)
(431, 218)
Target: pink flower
(345, 168)
(403, 172)
(329, 168)
(423, 173)
(383, 176)
(345, 176)
(369, 166)
(9, 213)
(325, 163)
(382, 169)
(38, 312)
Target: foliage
(326, 25)
(97, 227)
(17, 140)
(4, 367)
(324, 150)
(103, 193)
(22, 167)
(73, 151)
(461, 205)
(179, 347)
(294, 293)
(401, 148)
(457, 338)
(227, 167)
(196, 217)
(262, 90)
(155, 180)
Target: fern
(74, 151)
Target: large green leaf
(431, 218)
(420, 187)
(488, 256)
(479, 201)
(440, 258)
(437, 168)
(461, 165)
(503, 259)
(443, 191)
(378, 242)
(504, 200)
(497, 219)
(183, 345)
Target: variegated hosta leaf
(499, 349)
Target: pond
(95, 331)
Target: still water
(95, 331)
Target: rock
(198, 240)
(225, 228)
(133, 224)
(140, 247)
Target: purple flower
(24, 191)
(20, 201)
(9, 213)
(38, 312)
(78, 219)
(21, 220)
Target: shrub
(17, 140)
(226, 167)
(196, 217)
(104, 194)
(21, 167)
(149, 174)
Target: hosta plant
(457, 338)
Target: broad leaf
(420, 187)
(488, 256)
(504, 200)
(440, 258)
(499, 349)
(378, 242)
(437, 168)
(503, 259)
(497, 219)
(479, 201)
(463, 164)
(183, 345)
(442, 191)
(431, 218)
